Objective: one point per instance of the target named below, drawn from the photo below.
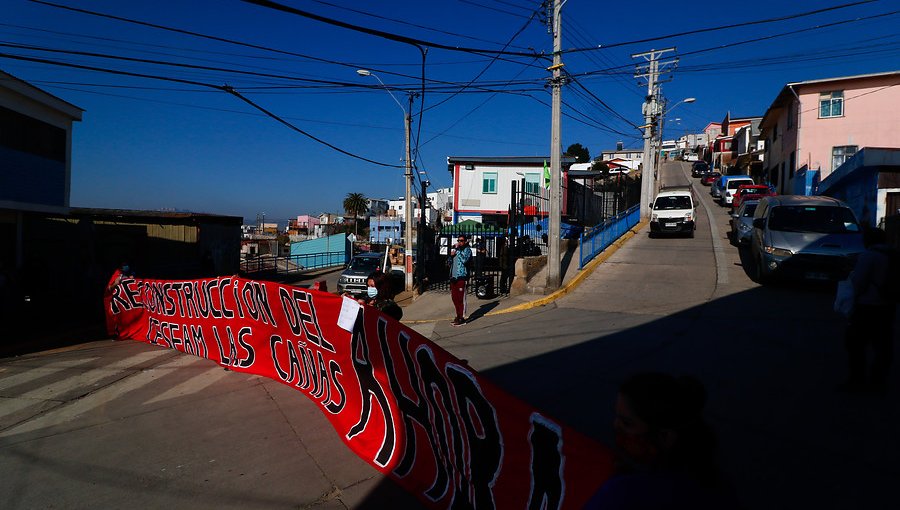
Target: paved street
(116, 424)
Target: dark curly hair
(383, 284)
(675, 404)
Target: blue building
(869, 183)
(385, 230)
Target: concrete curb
(569, 287)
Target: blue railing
(293, 263)
(597, 239)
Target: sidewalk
(436, 306)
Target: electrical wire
(407, 23)
(718, 28)
(224, 88)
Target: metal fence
(597, 239)
(292, 264)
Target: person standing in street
(872, 318)
(459, 277)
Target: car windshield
(363, 264)
(752, 191)
(733, 184)
(811, 218)
(668, 203)
(749, 209)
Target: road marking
(30, 374)
(718, 249)
(193, 385)
(86, 380)
(118, 390)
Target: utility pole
(408, 248)
(651, 72)
(553, 230)
(420, 238)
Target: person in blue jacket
(460, 255)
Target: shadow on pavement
(770, 358)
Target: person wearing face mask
(379, 294)
(665, 450)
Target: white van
(674, 211)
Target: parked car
(751, 191)
(353, 279)
(742, 223)
(804, 237)
(710, 178)
(730, 186)
(699, 169)
(673, 211)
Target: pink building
(306, 223)
(819, 124)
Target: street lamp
(407, 213)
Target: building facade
(482, 186)
(818, 125)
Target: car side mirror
(759, 223)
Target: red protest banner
(409, 408)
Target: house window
(532, 183)
(841, 154)
(793, 164)
(775, 132)
(831, 104)
(790, 116)
(489, 183)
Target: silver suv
(805, 237)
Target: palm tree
(356, 204)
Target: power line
(224, 88)
(747, 41)
(407, 23)
(222, 39)
(380, 33)
(718, 28)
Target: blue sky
(154, 144)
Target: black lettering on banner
(152, 327)
(170, 302)
(437, 393)
(320, 338)
(249, 303)
(485, 443)
(251, 354)
(307, 366)
(175, 341)
(332, 406)
(154, 297)
(131, 294)
(190, 304)
(179, 303)
(237, 298)
(413, 412)
(370, 389)
(262, 301)
(547, 462)
(299, 320)
(117, 303)
(226, 312)
(322, 379)
(207, 290)
(202, 299)
(225, 360)
(189, 346)
(197, 336)
(274, 340)
(297, 368)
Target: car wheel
(691, 234)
